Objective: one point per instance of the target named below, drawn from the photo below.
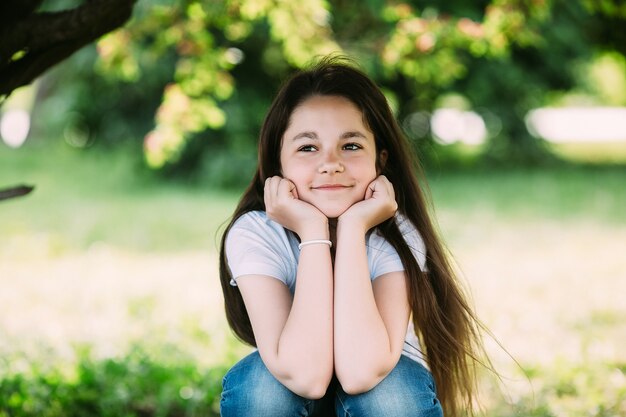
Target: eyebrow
(312, 135)
(305, 135)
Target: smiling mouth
(331, 187)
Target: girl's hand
(283, 206)
(378, 205)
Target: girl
(331, 256)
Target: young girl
(332, 269)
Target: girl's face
(329, 154)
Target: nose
(331, 164)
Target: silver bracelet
(314, 242)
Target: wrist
(351, 225)
(314, 231)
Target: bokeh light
(14, 127)
(578, 124)
(452, 125)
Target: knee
(249, 389)
(408, 391)
(374, 404)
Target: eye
(306, 148)
(352, 146)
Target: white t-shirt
(256, 245)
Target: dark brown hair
(442, 318)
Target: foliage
(84, 107)
(419, 45)
(140, 384)
(137, 384)
(535, 77)
(204, 34)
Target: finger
(382, 180)
(294, 190)
(284, 188)
(392, 194)
(390, 189)
(379, 184)
(266, 191)
(386, 185)
(370, 190)
(270, 190)
(275, 185)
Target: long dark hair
(443, 320)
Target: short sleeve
(254, 247)
(383, 257)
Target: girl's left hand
(378, 205)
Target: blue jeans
(250, 390)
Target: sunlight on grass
(111, 299)
(594, 152)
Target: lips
(331, 187)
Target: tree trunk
(33, 42)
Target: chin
(333, 212)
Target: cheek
(283, 165)
(365, 179)
(369, 174)
(297, 176)
(290, 171)
(286, 167)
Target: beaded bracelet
(313, 242)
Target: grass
(596, 152)
(85, 199)
(105, 258)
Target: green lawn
(104, 258)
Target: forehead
(321, 111)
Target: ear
(381, 161)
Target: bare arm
(370, 319)
(295, 337)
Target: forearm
(304, 352)
(363, 351)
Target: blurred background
(139, 144)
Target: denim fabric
(250, 390)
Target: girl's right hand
(283, 206)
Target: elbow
(311, 387)
(315, 392)
(354, 384)
(310, 382)
(306, 378)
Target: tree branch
(48, 38)
(15, 192)
(13, 10)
